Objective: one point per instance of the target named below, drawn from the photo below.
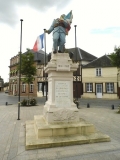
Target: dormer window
(98, 71)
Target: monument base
(57, 115)
(40, 134)
(60, 124)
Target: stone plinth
(60, 124)
(60, 89)
(39, 134)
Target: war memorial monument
(60, 124)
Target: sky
(97, 31)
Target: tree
(6, 84)
(115, 56)
(28, 70)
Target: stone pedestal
(60, 90)
(60, 123)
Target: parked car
(6, 91)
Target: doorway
(99, 90)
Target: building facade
(100, 79)
(39, 86)
(1, 85)
(118, 79)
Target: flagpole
(45, 62)
(76, 62)
(20, 70)
(45, 47)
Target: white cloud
(98, 26)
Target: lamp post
(20, 69)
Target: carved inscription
(64, 67)
(62, 93)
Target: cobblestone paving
(12, 135)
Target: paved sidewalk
(12, 135)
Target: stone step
(33, 142)
(62, 129)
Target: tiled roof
(103, 61)
(39, 56)
(81, 54)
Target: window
(109, 87)
(39, 86)
(98, 71)
(89, 87)
(31, 88)
(23, 88)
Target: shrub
(29, 102)
(32, 102)
(24, 102)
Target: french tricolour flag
(39, 44)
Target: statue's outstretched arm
(51, 28)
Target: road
(12, 132)
(4, 97)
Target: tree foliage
(28, 70)
(27, 67)
(115, 56)
(6, 84)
